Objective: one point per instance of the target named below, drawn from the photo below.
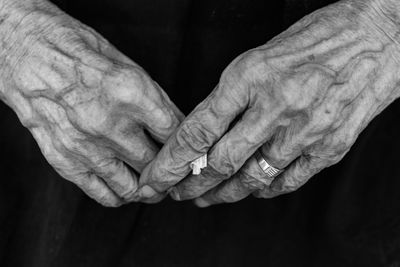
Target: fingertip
(110, 200)
(146, 174)
(174, 193)
(146, 192)
(156, 199)
(113, 204)
(201, 203)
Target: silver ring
(270, 171)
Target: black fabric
(348, 215)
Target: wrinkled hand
(92, 110)
(303, 98)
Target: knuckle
(126, 189)
(117, 176)
(92, 118)
(279, 158)
(52, 152)
(255, 59)
(172, 121)
(256, 66)
(57, 144)
(223, 161)
(105, 166)
(99, 127)
(252, 65)
(195, 136)
(165, 120)
(251, 59)
(126, 85)
(290, 185)
(142, 157)
(221, 170)
(86, 181)
(128, 194)
(327, 157)
(250, 182)
(73, 146)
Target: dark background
(348, 215)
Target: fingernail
(174, 193)
(147, 192)
(201, 203)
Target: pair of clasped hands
(301, 100)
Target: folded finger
(62, 153)
(249, 178)
(297, 174)
(118, 176)
(133, 146)
(90, 183)
(194, 137)
(231, 152)
(163, 118)
(96, 188)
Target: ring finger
(251, 177)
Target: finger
(201, 129)
(74, 172)
(227, 156)
(100, 161)
(165, 119)
(118, 177)
(95, 188)
(161, 116)
(235, 147)
(72, 169)
(167, 116)
(298, 173)
(250, 177)
(133, 146)
(137, 153)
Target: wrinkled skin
(93, 112)
(303, 98)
